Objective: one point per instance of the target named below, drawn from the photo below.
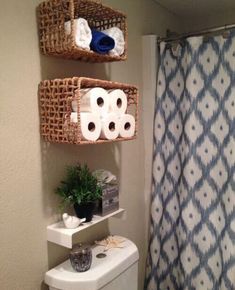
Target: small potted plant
(80, 189)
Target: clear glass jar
(81, 257)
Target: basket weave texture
(55, 99)
(52, 14)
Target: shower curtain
(192, 225)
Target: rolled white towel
(118, 37)
(82, 32)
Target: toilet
(118, 270)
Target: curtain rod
(195, 33)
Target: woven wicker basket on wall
(56, 96)
(53, 14)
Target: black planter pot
(85, 210)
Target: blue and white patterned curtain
(192, 227)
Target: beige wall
(207, 21)
(30, 169)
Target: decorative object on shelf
(109, 201)
(81, 257)
(111, 242)
(54, 35)
(60, 97)
(72, 222)
(104, 177)
(85, 210)
(80, 189)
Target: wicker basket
(53, 40)
(56, 96)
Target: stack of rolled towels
(109, 41)
(103, 114)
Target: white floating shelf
(58, 234)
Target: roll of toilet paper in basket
(117, 101)
(74, 117)
(93, 100)
(90, 126)
(126, 126)
(109, 126)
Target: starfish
(111, 242)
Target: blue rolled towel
(101, 42)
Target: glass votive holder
(81, 257)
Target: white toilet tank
(117, 271)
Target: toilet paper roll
(117, 101)
(90, 126)
(109, 126)
(93, 100)
(126, 126)
(74, 117)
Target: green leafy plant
(80, 186)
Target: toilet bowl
(118, 270)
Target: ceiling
(197, 7)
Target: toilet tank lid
(102, 271)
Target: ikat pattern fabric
(192, 225)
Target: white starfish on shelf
(111, 242)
